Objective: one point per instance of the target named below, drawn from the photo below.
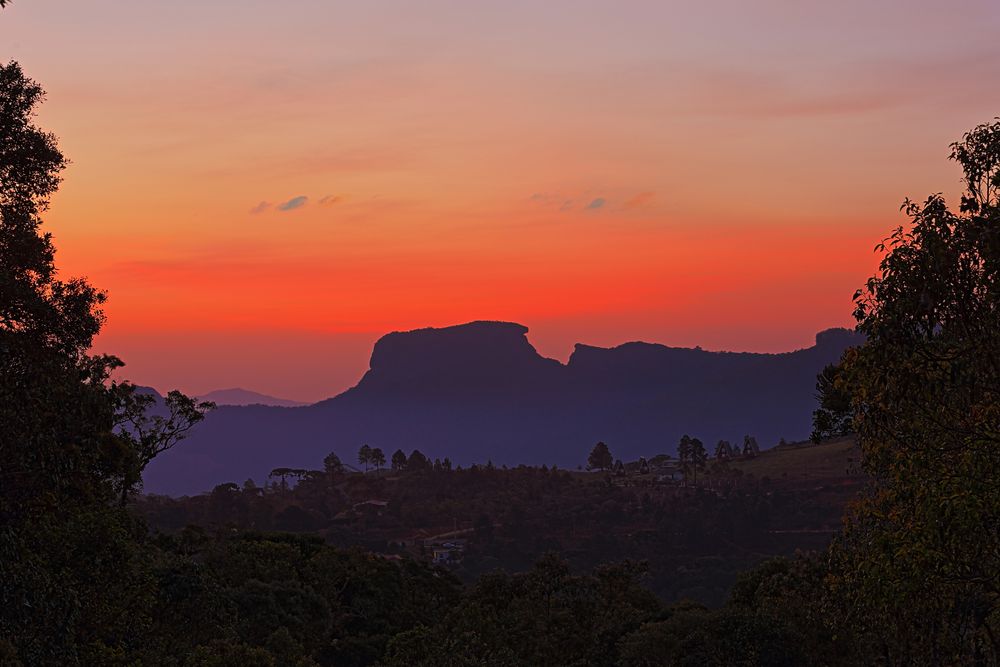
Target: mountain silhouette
(481, 391)
(237, 396)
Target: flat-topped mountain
(481, 391)
(486, 358)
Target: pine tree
(600, 458)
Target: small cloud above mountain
(587, 201)
(297, 202)
(569, 201)
(293, 203)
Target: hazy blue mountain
(480, 391)
(237, 396)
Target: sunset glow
(266, 188)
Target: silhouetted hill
(237, 396)
(480, 391)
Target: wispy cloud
(293, 203)
(580, 201)
(330, 200)
(638, 201)
(260, 208)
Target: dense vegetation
(913, 579)
(695, 537)
(73, 444)
(920, 558)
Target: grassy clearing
(834, 458)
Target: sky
(265, 188)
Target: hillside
(696, 536)
(480, 391)
(835, 458)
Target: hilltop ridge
(481, 391)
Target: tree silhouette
(684, 455)
(378, 458)
(698, 457)
(150, 434)
(283, 474)
(692, 457)
(835, 416)
(69, 454)
(332, 465)
(55, 315)
(365, 456)
(924, 393)
(417, 461)
(600, 458)
(398, 460)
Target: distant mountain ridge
(238, 396)
(481, 391)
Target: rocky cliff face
(480, 391)
(479, 357)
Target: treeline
(692, 458)
(694, 539)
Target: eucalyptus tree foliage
(921, 554)
(73, 442)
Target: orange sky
(598, 171)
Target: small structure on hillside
(724, 450)
(445, 552)
(668, 475)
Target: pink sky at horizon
(266, 188)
